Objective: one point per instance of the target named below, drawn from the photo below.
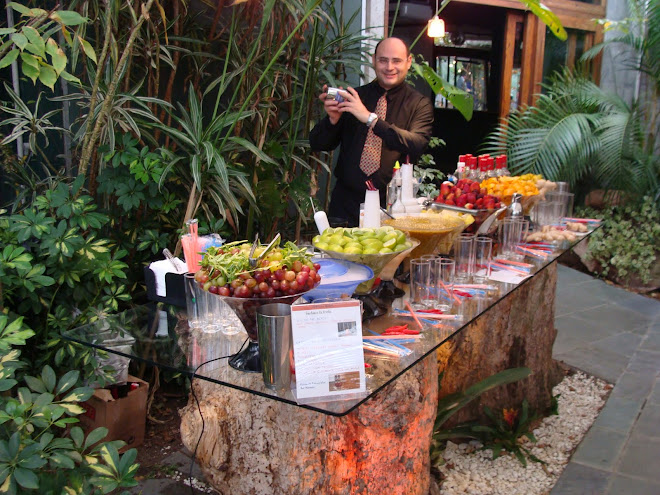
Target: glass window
(559, 54)
(468, 74)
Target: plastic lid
(490, 162)
(472, 162)
(397, 166)
(483, 163)
(501, 161)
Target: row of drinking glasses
(556, 206)
(206, 311)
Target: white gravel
(468, 470)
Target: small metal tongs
(254, 261)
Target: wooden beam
(507, 61)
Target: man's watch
(372, 119)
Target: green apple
(353, 249)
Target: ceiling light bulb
(436, 27)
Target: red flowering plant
(506, 432)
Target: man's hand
(352, 104)
(331, 106)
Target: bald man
(376, 125)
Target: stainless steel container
(274, 330)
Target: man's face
(391, 63)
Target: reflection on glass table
(163, 338)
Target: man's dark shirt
(405, 131)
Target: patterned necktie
(370, 159)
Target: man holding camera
(376, 124)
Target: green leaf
(69, 77)
(68, 18)
(547, 17)
(19, 8)
(35, 40)
(79, 394)
(35, 384)
(31, 72)
(95, 436)
(59, 61)
(20, 40)
(9, 58)
(62, 461)
(6, 31)
(30, 60)
(48, 76)
(73, 409)
(49, 378)
(26, 478)
(77, 436)
(67, 381)
(462, 101)
(87, 48)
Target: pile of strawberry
(467, 193)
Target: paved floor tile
(600, 448)
(614, 318)
(642, 304)
(606, 365)
(567, 275)
(578, 479)
(602, 290)
(640, 458)
(621, 485)
(646, 362)
(655, 392)
(590, 329)
(634, 386)
(618, 414)
(571, 299)
(565, 342)
(648, 424)
(651, 342)
(624, 343)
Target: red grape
(290, 276)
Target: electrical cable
(199, 409)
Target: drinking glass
(420, 277)
(483, 248)
(524, 231)
(464, 257)
(433, 293)
(510, 231)
(445, 269)
(210, 310)
(230, 324)
(192, 304)
(566, 199)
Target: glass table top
(158, 334)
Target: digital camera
(334, 94)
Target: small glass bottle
(393, 186)
(483, 168)
(500, 165)
(491, 172)
(472, 171)
(461, 167)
